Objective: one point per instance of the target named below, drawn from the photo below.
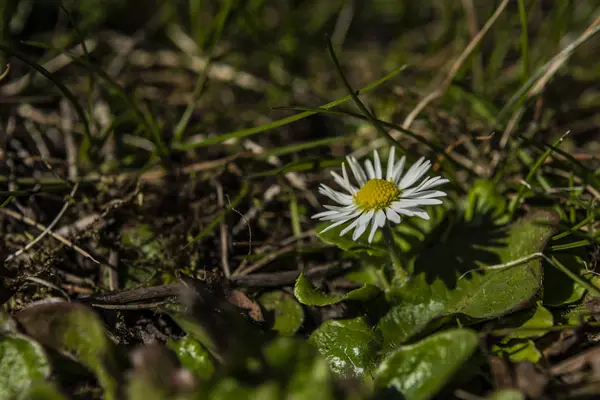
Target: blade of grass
(515, 201)
(382, 132)
(210, 227)
(145, 118)
(305, 165)
(575, 228)
(203, 78)
(576, 278)
(284, 121)
(520, 96)
(295, 214)
(571, 245)
(344, 113)
(86, 54)
(298, 147)
(524, 40)
(65, 91)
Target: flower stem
(399, 262)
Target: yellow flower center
(377, 194)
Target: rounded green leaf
(308, 295)
(438, 287)
(193, 356)
(23, 362)
(77, 331)
(287, 314)
(419, 371)
(350, 346)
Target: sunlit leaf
(193, 356)
(287, 314)
(437, 289)
(307, 294)
(419, 371)
(23, 362)
(349, 345)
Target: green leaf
(193, 356)
(560, 290)
(306, 294)
(349, 345)
(23, 362)
(419, 371)
(287, 314)
(435, 289)
(306, 374)
(533, 323)
(77, 331)
(484, 200)
(42, 391)
(518, 350)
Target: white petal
(380, 218)
(336, 196)
(398, 168)
(325, 214)
(340, 222)
(427, 194)
(390, 164)
(360, 229)
(392, 215)
(414, 173)
(342, 209)
(403, 211)
(366, 217)
(343, 183)
(377, 162)
(339, 215)
(419, 212)
(437, 181)
(349, 227)
(345, 173)
(370, 169)
(357, 171)
(373, 230)
(426, 184)
(407, 203)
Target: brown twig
(48, 228)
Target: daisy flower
(376, 200)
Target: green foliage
(182, 122)
(287, 314)
(517, 345)
(307, 294)
(438, 287)
(420, 370)
(193, 356)
(23, 363)
(76, 331)
(349, 345)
